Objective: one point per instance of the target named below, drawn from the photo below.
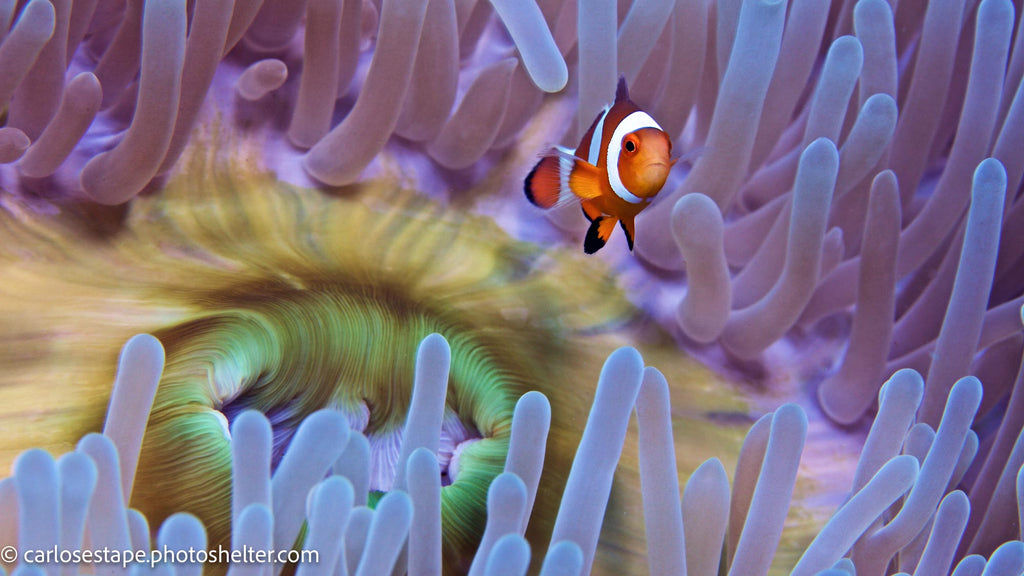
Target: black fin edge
(527, 187)
(629, 238)
(592, 243)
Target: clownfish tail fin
(542, 185)
(621, 92)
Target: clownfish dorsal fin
(621, 92)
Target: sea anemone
(853, 210)
(86, 490)
(283, 302)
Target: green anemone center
(288, 350)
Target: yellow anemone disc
(286, 300)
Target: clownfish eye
(630, 145)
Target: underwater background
(268, 275)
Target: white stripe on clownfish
(594, 151)
(565, 166)
(635, 121)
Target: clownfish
(621, 164)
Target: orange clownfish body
(617, 170)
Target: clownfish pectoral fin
(629, 227)
(584, 179)
(598, 234)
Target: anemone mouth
(373, 402)
(455, 437)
